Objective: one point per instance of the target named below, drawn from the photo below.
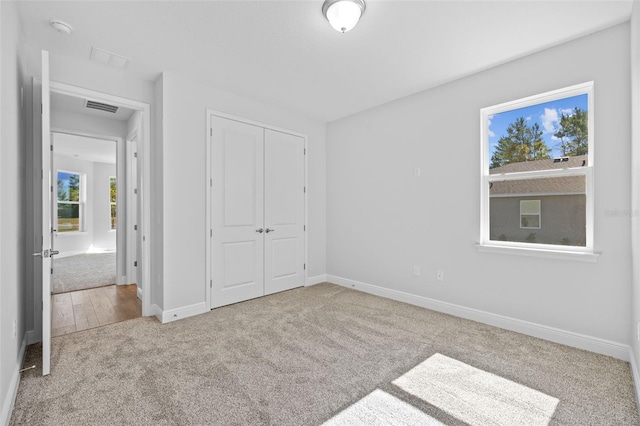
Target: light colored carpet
(83, 271)
(320, 354)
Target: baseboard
(636, 377)
(10, 399)
(156, 312)
(316, 280)
(184, 312)
(581, 341)
(31, 337)
(139, 293)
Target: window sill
(543, 253)
(70, 234)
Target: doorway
(91, 282)
(42, 180)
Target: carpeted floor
(83, 271)
(320, 354)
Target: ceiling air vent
(101, 107)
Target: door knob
(260, 231)
(269, 230)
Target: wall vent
(101, 107)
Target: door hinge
(51, 148)
(135, 263)
(211, 182)
(304, 227)
(135, 190)
(305, 266)
(135, 227)
(135, 155)
(211, 233)
(305, 190)
(51, 188)
(305, 151)
(210, 283)
(51, 271)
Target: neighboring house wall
(567, 226)
(382, 220)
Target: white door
(283, 211)
(47, 228)
(237, 208)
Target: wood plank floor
(94, 307)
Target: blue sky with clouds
(547, 115)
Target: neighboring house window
(69, 201)
(537, 160)
(112, 200)
(530, 214)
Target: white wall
(381, 220)
(13, 191)
(85, 123)
(183, 155)
(103, 236)
(635, 192)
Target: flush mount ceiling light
(60, 26)
(343, 15)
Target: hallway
(95, 307)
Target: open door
(47, 229)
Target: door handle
(260, 231)
(46, 253)
(269, 230)
(53, 253)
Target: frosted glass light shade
(343, 15)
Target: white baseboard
(156, 312)
(569, 338)
(139, 293)
(184, 312)
(316, 280)
(10, 399)
(635, 374)
(31, 337)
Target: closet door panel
(237, 208)
(284, 211)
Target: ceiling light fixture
(60, 26)
(343, 15)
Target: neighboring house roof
(540, 186)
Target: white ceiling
(85, 148)
(77, 105)
(286, 54)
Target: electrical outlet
(15, 329)
(416, 271)
(440, 275)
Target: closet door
(284, 211)
(237, 208)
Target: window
(530, 214)
(69, 201)
(112, 200)
(537, 161)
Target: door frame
(144, 162)
(209, 183)
(121, 245)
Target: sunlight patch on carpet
(379, 408)
(475, 396)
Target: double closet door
(257, 208)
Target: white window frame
(81, 203)
(111, 203)
(585, 253)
